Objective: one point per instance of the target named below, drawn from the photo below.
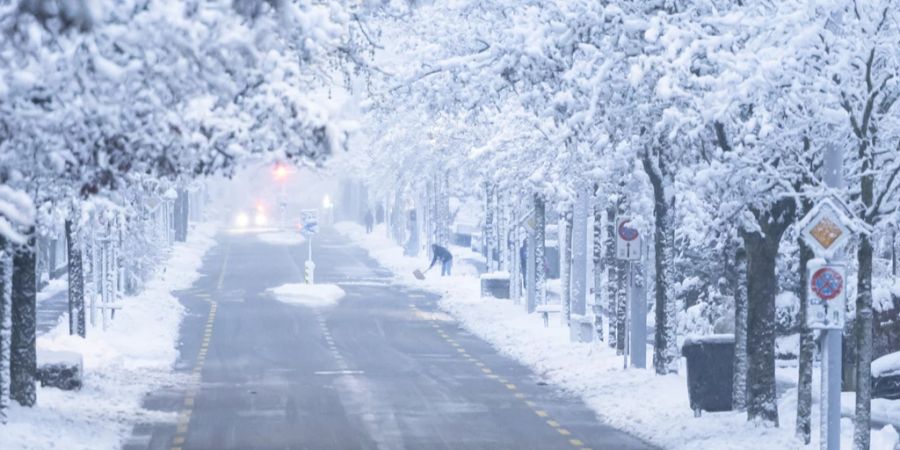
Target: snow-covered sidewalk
(121, 365)
(656, 408)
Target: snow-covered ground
(653, 407)
(52, 289)
(122, 364)
(311, 295)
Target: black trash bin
(710, 371)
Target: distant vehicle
(257, 216)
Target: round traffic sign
(627, 233)
(827, 283)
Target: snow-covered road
(380, 367)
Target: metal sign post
(531, 268)
(309, 219)
(824, 229)
(638, 332)
(628, 248)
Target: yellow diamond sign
(826, 232)
(824, 228)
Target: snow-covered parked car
(886, 376)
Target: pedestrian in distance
(370, 221)
(443, 255)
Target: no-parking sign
(628, 240)
(826, 295)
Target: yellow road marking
(553, 423)
(563, 431)
(184, 418)
(576, 443)
(541, 413)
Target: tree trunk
(23, 361)
(807, 352)
(540, 247)
(503, 227)
(598, 270)
(488, 229)
(665, 348)
(76, 281)
(762, 286)
(612, 275)
(5, 326)
(443, 210)
(181, 216)
(621, 305)
(52, 262)
(863, 332)
(515, 269)
(565, 268)
(739, 394)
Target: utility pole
(580, 330)
(831, 362)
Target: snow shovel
(419, 274)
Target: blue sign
(310, 220)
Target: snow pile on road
(278, 237)
(121, 365)
(312, 295)
(655, 408)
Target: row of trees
(705, 121)
(107, 109)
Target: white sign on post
(309, 219)
(826, 295)
(824, 228)
(628, 240)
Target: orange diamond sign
(824, 229)
(826, 232)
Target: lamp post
(281, 173)
(328, 206)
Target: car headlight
(260, 219)
(241, 220)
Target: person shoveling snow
(440, 254)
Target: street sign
(309, 222)
(151, 203)
(826, 295)
(825, 229)
(628, 240)
(530, 221)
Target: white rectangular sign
(825, 295)
(628, 240)
(309, 219)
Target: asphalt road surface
(384, 369)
